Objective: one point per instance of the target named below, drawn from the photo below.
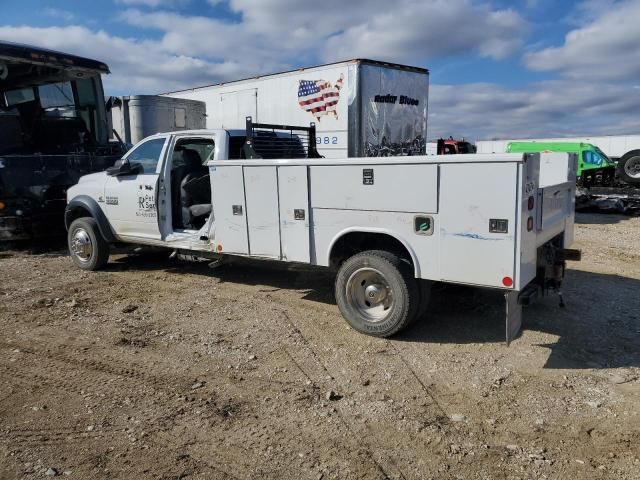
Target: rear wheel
(629, 167)
(87, 248)
(377, 293)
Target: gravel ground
(164, 369)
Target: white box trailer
(362, 108)
(138, 116)
(389, 226)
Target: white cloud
(137, 66)
(606, 48)
(404, 30)
(553, 108)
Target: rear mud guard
(513, 315)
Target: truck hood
(93, 178)
(91, 185)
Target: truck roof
(21, 53)
(234, 132)
(363, 61)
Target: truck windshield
(50, 118)
(594, 157)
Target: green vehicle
(594, 167)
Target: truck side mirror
(123, 167)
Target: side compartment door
(293, 189)
(131, 199)
(230, 210)
(478, 226)
(263, 216)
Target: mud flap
(513, 315)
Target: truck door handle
(237, 209)
(298, 214)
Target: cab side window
(147, 154)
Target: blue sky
(498, 68)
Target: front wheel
(377, 293)
(629, 167)
(87, 248)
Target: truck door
(131, 199)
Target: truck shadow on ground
(599, 328)
(586, 217)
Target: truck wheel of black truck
(87, 248)
(377, 293)
(629, 167)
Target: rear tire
(629, 167)
(377, 293)
(87, 248)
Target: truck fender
(383, 231)
(88, 204)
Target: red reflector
(529, 224)
(507, 281)
(530, 203)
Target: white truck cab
(391, 226)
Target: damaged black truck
(53, 130)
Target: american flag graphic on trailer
(319, 97)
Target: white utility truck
(362, 108)
(389, 226)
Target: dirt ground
(158, 368)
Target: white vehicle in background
(389, 226)
(622, 149)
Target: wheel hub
(81, 245)
(369, 294)
(632, 167)
(375, 293)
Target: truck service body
(390, 226)
(362, 108)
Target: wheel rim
(632, 167)
(370, 294)
(81, 245)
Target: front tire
(377, 293)
(629, 167)
(87, 248)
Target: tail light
(529, 224)
(531, 202)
